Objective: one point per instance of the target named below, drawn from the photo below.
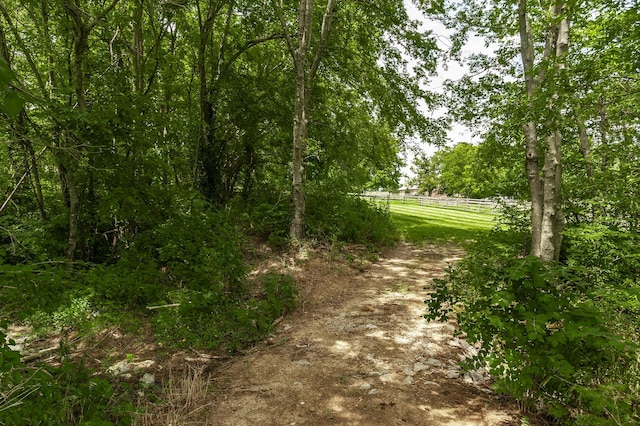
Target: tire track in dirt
(358, 352)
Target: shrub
(350, 219)
(269, 220)
(543, 335)
(28, 288)
(196, 248)
(218, 319)
(330, 216)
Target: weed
(401, 287)
(68, 394)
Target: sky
(453, 71)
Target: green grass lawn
(425, 223)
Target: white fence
(470, 204)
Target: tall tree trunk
(547, 218)
(300, 119)
(305, 73)
(210, 150)
(74, 212)
(80, 46)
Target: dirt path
(358, 352)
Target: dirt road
(358, 352)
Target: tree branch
(24, 176)
(248, 45)
(103, 14)
(283, 23)
(327, 19)
(25, 51)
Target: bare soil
(359, 352)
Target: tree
(458, 174)
(306, 69)
(427, 170)
(389, 88)
(133, 103)
(529, 99)
(462, 169)
(545, 184)
(554, 95)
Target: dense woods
(128, 103)
(147, 145)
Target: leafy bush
(607, 264)
(196, 248)
(543, 335)
(269, 219)
(76, 314)
(37, 286)
(350, 219)
(218, 319)
(127, 284)
(330, 216)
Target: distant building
(409, 191)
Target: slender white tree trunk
(305, 72)
(300, 119)
(547, 219)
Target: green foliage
(331, 216)
(607, 264)
(127, 284)
(195, 248)
(350, 219)
(543, 331)
(462, 170)
(76, 315)
(199, 248)
(427, 170)
(68, 394)
(217, 320)
(11, 102)
(269, 220)
(28, 288)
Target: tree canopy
(116, 105)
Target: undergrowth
(56, 395)
(215, 319)
(190, 265)
(559, 336)
(330, 217)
